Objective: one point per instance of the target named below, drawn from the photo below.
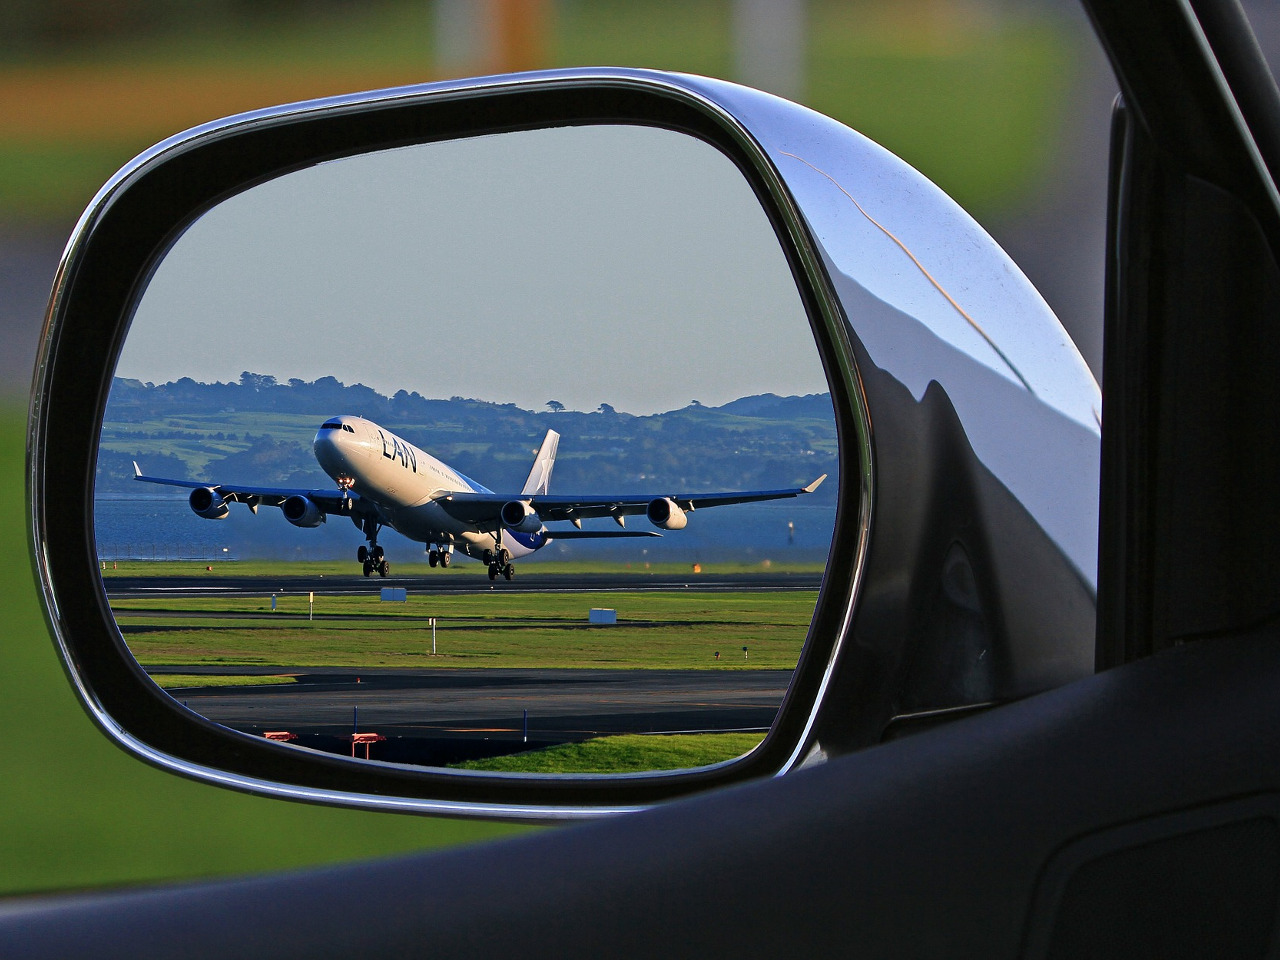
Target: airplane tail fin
(540, 475)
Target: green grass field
(186, 681)
(655, 630)
(84, 814)
(627, 753)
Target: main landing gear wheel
(499, 563)
(371, 559)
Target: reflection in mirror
(503, 451)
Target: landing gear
(507, 571)
(372, 558)
(499, 563)
(442, 558)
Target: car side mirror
(624, 237)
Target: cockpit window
(347, 427)
(330, 425)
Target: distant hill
(260, 430)
(813, 406)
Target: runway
(438, 716)
(219, 583)
(441, 716)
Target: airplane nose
(328, 450)
(339, 450)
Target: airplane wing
(484, 508)
(330, 501)
(599, 534)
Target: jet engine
(302, 512)
(665, 513)
(520, 517)
(206, 503)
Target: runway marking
(215, 589)
(478, 729)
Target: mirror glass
(502, 451)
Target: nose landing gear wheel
(433, 558)
(445, 558)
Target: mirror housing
(962, 569)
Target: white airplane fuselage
(404, 480)
(385, 481)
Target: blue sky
(617, 264)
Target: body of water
(166, 529)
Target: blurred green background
(975, 94)
(970, 93)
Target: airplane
(385, 481)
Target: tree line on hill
(761, 441)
